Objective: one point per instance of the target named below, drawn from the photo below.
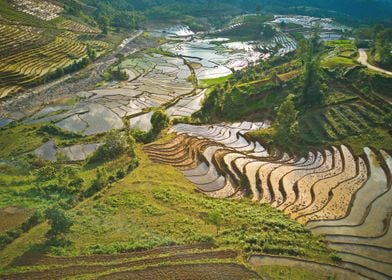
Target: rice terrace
(195, 139)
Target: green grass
(19, 139)
(342, 54)
(23, 244)
(206, 83)
(338, 62)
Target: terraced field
(333, 192)
(35, 41)
(154, 81)
(352, 117)
(175, 262)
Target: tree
(382, 47)
(120, 57)
(286, 115)
(120, 75)
(116, 143)
(92, 53)
(312, 92)
(285, 124)
(159, 120)
(60, 223)
(304, 51)
(59, 72)
(103, 23)
(46, 173)
(315, 39)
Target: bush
(5, 239)
(133, 165)
(141, 136)
(46, 173)
(336, 258)
(116, 144)
(54, 130)
(60, 223)
(120, 174)
(159, 120)
(35, 219)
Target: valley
(255, 148)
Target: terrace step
(276, 176)
(376, 186)
(323, 190)
(338, 206)
(290, 179)
(370, 268)
(376, 253)
(305, 185)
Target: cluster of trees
(64, 179)
(106, 14)
(312, 88)
(381, 49)
(379, 39)
(128, 14)
(118, 74)
(116, 144)
(60, 224)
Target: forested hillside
(362, 10)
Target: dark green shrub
(159, 120)
(60, 223)
(116, 144)
(133, 165)
(120, 174)
(336, 258)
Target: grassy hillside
(152, 207)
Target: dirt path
(363, 59)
